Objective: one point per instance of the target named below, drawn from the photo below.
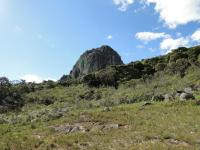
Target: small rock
(69, 128)
(84, 145)
(111, 126)
(177, 95)
(186, 96)
(125, 126)
(168, 97)
(188, 90)
(75, 129)
(62, 128)
(107, 109)
(176, 142)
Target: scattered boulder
(168, 97)
(106, 109)
(176, 142)
(87, 127)
(75, 129)
(111, 126)
(186, 96)
(84, 145)
(181, 95)
(188, 90)
(69, 128)
(177, 95)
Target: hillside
(148, 104)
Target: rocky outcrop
(186, 96)
(94, 60)
(182, 95)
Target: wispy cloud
(123, 4)
(150, 36)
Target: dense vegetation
(175, 63)
(29, 110)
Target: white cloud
(167, 45)
(172, 12)
(196, 36)
(168, 42)
(52, 79)
(109, 37)
(32, 78)
(123, 4)
(150, 36)
(35, 78)
(177, 12)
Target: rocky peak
(94, 60)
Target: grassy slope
(171, 125)
(159, 126)
(162, 125)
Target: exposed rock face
(94, 60)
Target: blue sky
(43, 39)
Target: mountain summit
(94, 60)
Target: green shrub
(178, 55)
(107, 77)
(160, 66)
(193, 54)
(91, 80)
